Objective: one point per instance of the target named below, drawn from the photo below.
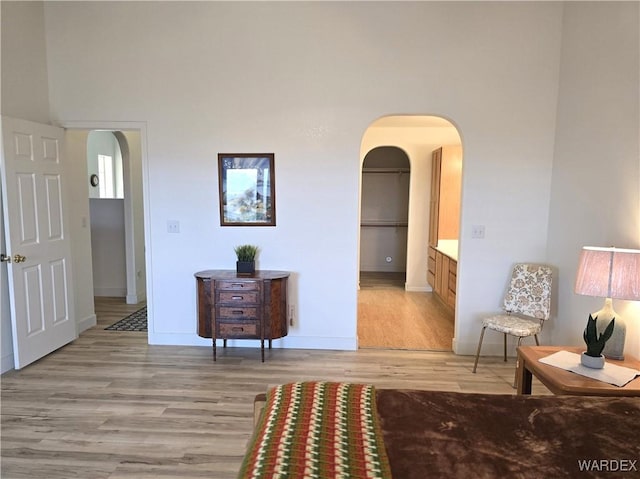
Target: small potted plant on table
(592, 357)
(246, 264)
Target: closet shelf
(384, 224)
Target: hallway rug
(134, 322)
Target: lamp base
(614, 347)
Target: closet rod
(386, 170)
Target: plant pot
(591, 361)
(245, 268)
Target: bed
(330, 430)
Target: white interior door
(37, 239)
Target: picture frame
(246, 183)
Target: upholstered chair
(526, 306)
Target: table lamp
(609, 273)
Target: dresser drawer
(237, 285)
(236, 312)
(238, 297)
(238, 329)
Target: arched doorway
(384, 215)
(409, 315)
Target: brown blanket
(431, 434)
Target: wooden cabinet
(444, 219)
(446, 188)
(452, 278)
(442, 275)
(242, 307)
(434, 200)
(431, 267)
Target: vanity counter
(448, 248)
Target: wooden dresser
(242, 307)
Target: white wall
(24, 67)
(208, 77)
(252, 77)
(595, 196)
(75, 143)
(108, 247)
(104, 143)
(131, 145)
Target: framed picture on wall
(246, 184)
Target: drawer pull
(237, 297)
(237, 311)
(237, 329)
(238, 285)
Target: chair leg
(475, 364)
(515, 377)
(505, 347)
(537, 342)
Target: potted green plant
(246, 264)
(592, 357)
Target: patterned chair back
(529, 291)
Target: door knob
(18, 258)
(4, 258)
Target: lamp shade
(609, 273)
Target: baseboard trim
(417, 289)
(288, 342)
(6, 362)
(134, 298)
(110, 292)
(86, 323)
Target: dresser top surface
(222, 274)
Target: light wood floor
(110, 406)
(390, 317)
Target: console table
(242, 307)
(559, 381)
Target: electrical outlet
(173, 226)
(292, 314)
(477, 231)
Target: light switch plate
(477, 231)
(173, 226)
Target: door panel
(34, 210)
(59, 292)
(28, 212)
(54, 207)
(34, 313)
